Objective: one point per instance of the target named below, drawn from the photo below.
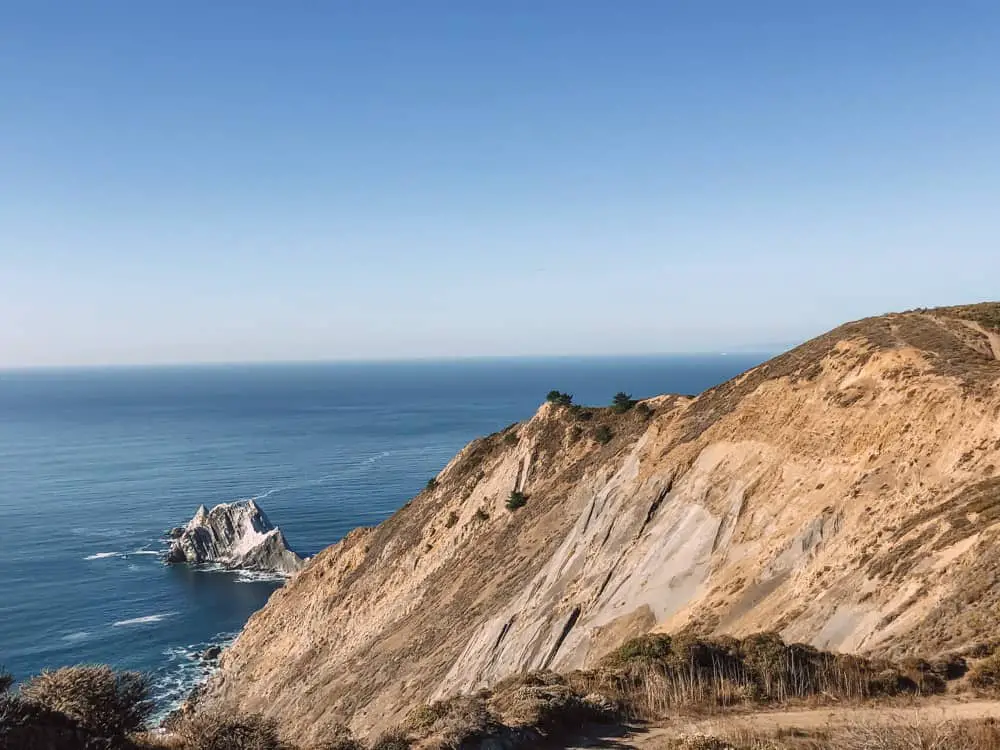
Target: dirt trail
(809, 720)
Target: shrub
(985, 674)
(6, 681)
(622, 402)
(511, 438)
(225, 730)
(516, 500)
(643, 410)
(392, 739)
(337, 737)
(575, 433)
(432, 483)
(458, 721)
(559, 398)
(583, 415)
(481, 515)
(25, 724)
(603, 435)
(104, 702)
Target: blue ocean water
(96, 464)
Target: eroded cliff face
(846, 494)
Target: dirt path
(808, 720)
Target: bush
(104, 702)
(6, 681)
(432, 483)
(985, 674)
(392, 739)
(224, 730)
(559, 398)
(622, 402)
(516, 500)
(511, 438)
(458, 721)
(337, 737)
(481, 515)
(25, 724)
(575, 433)
(644, 411)
(603, 435)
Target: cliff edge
(846, 494)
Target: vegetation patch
(559, 398)
(516, 500)
(603, 434)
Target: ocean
(95, 464)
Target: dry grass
(214, 730)
(896, 735)
(105, 703)
(652, 676)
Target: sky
(263, 181)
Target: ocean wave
(257, 576)
(80, 635)
(143, 620)
(184, 669)
(145, 552)
(101, 555)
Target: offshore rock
(238, 536)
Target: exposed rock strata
(846, 493)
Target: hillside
(846, 493)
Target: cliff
(238, 536)
(846, 493)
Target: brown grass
(895, 735)
(653, 676)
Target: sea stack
(238, 536)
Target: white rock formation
(236, 535)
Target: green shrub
(603, 435)
(511, 438)
(225, 730)
(6, 681)
(104, 702)
(452, 520)
(583, 415)
(622, 402)
(643, 410)
(516, 500)
(432, 483)
(481, 515)
(559, 398)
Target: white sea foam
(183, 670)
(80, 635)
(256, 576)
(143, 620)
(101, 555)
(145, 552)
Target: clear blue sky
(244, 180)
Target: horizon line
(769, 350)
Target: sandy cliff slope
(846, 493)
